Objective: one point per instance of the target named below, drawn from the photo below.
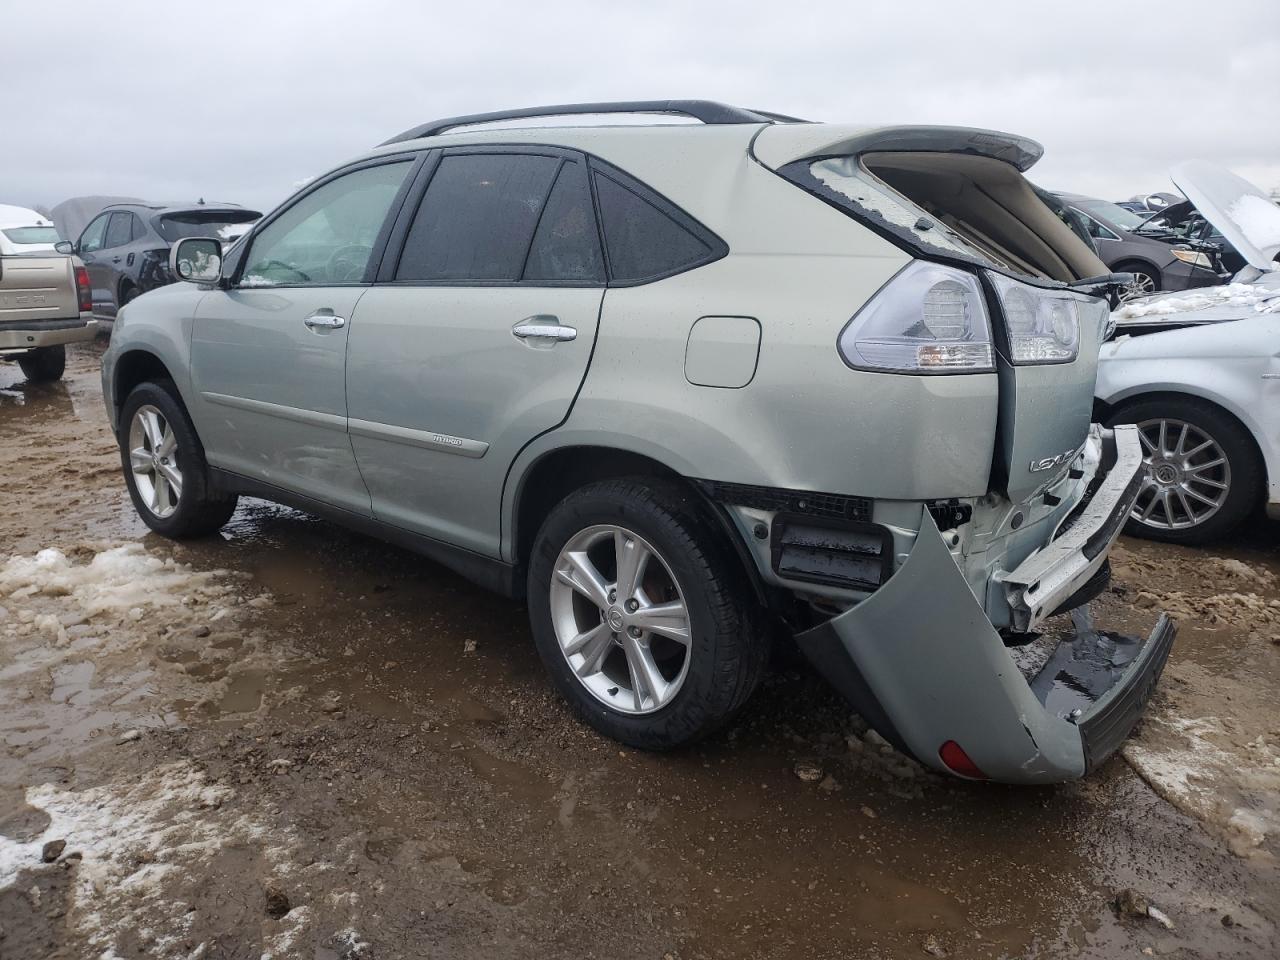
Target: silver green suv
(685, 387)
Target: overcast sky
(238, 101)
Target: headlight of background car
(1193, 257)
(1043, 325)
(928, 319)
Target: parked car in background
(44, 295)
(1199, 374)
(621, 388)
(1156, 260)
(1147, 203)
(25, 231)
(126, 246)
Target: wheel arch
(1105, 410)
(557, 472)
(134, 367)
(1157, 272)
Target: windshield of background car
(219, 224)
(32, 235)
(1113, 212)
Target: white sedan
(1199, 373)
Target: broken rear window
(846, 177)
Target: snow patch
(1262, 299)
(1258, 218)
(137, 838)
(121, 582)
(1197, 765)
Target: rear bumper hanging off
(921, 661)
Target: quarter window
(477, 218)
(328, 236)
(91, 239)
(566, 246)
(119, 230)
(643, 242)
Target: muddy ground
(292, 741)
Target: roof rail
(708, 111)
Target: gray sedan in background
(1156, 264)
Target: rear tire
(708, 649)
(1226, 472)
(164, 465)
(44, 364)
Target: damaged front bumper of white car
(921, 660)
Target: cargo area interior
(992, 206)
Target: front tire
(642, 615)
(1203, 474)
(165, 468)
(44, 364)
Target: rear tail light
(928, 319)
(83, 290)
(958, 762)
(1044, 325)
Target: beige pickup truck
(45, 298)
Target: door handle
(115, 259)
(325, 321)
(543, 327)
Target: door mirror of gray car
(65, 246)
(196, 259)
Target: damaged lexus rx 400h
(680, 385)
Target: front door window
(328, 236)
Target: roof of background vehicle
(165, 209)
(12, 216)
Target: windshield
(219, 224)
(45, 235)
(1111, 212)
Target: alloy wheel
(620, 619)
(1143, 285)
(153, 457)
(1188, 475)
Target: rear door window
(477, 219)
(644, 241)
(119, 230)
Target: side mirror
(65, 246)
(196, 259)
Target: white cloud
(241, 100)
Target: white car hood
(1243, 214)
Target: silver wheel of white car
(153, 458)
(620, 618)
(1204, 472)
(1188, 475)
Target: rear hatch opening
(959, 197)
